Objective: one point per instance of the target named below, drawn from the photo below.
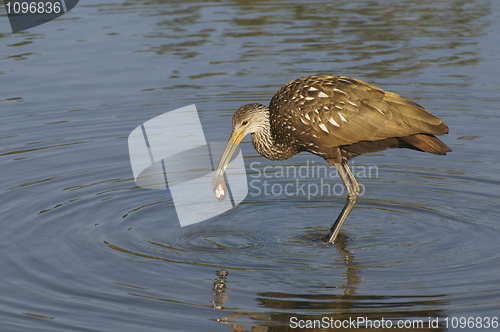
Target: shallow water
(83, 248)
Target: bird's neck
(266, 144)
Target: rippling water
(84, 249)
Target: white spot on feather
(307, 117)
(322, 95)
(303, 121)
(381, 112)
(313, 89)
(309, 98)
(323, 127)
(337, 90)
(343, 119)
(333, 122)
(343, 80)
(353, 104)
(326, 108)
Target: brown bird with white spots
(337, 118)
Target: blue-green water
(82, 248)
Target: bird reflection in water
(281, 307)
(219, 290)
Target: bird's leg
(354, 182)
(353, 190)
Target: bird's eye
(244, 123)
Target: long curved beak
(218, 183)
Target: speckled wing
(337, 110)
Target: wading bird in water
(337, 118)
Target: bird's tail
(427, 143)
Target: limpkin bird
(337, 118)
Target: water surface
(85, 249)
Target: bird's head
(248, 119)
